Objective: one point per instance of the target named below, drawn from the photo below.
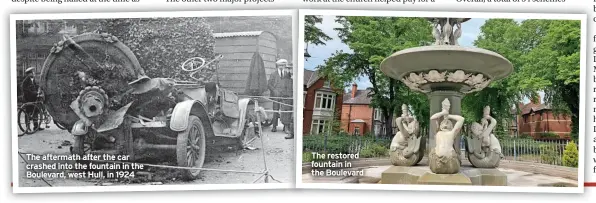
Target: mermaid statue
(483, 147)
(443, 158)
(406, 149)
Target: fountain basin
(422, 175)
(446, 67)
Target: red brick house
(538, 121)
(357, 117)
(321, 103)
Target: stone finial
(446, 104)
(486, 110)
(447, 30)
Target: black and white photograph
(178, 100)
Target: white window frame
(318, 126)
(324, 96)
(356, 129)
(327, 83)
(378, 114)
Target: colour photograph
(442, 101)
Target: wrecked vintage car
(94, 86)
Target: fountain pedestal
(444, 179)
(421, 175)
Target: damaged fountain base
(422, 175)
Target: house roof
(237, 34)
(310, 77)
(532, 107)
(361, 97)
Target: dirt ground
(279, 153)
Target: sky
(470, 31)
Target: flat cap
(30, 70)
(281, 62)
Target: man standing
(30, 87)
(275, 88)
(288, 90)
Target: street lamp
(306, 54)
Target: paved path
(532, 174)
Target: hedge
(344, 143)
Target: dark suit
(30, 95)
(275, 85)
(288, 92)
(29, 89)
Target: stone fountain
(446, 72)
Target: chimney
(354, 89)
(538, 100)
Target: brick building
(321, 103)
(540, 122)
(357, 117)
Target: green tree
(313, 34)
(554, 67)
(372, 39)
(545, 55)
(502, 36)
(570, 155)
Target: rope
(271, 99)
(264, 97)
(266, 175)
(278, 111)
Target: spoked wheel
(248, 137)
(250, 133)
(190, 149)
(62, 127)
(29, 117)
(46, 118)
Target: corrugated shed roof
(237, 34)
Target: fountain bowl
(446, 67)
